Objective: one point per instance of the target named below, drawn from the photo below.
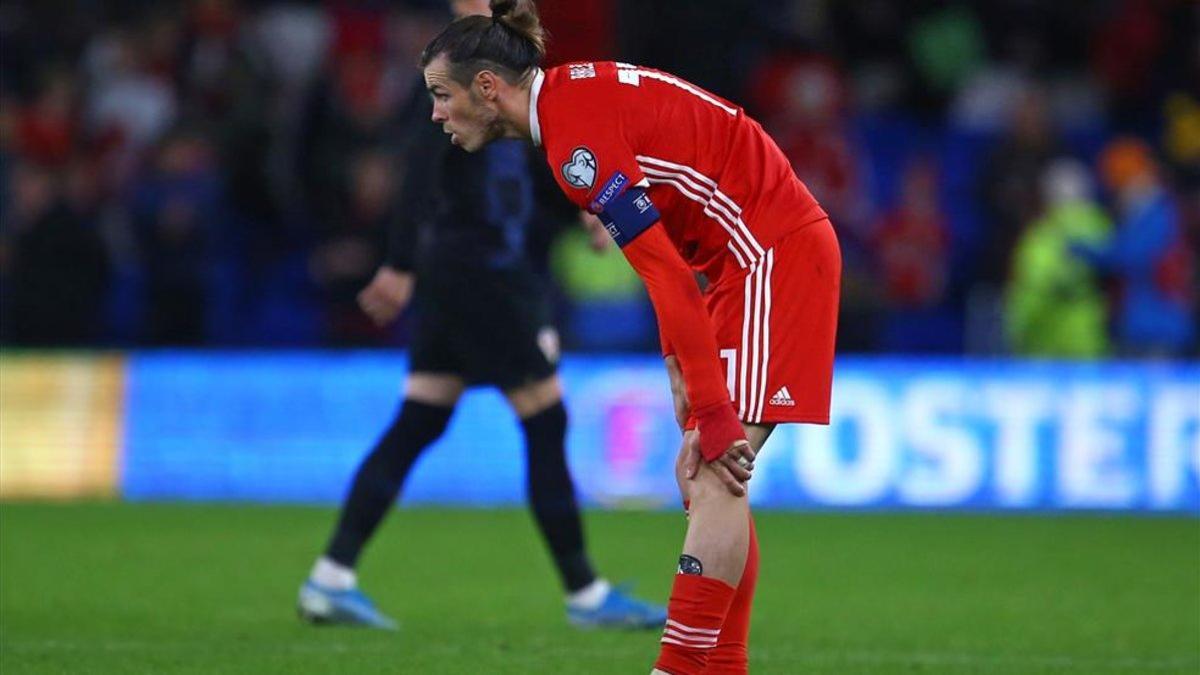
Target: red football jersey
(724, 189)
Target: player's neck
(514, 110)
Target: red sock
(729, 657)
(694, 616)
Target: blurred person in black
(458, 251)
(349, 249)
(1008, 186)
(180, 214)
(1006, 190)
(54, 266)
(53, 263)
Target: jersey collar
(535, 128)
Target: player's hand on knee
(735, 467)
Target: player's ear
(485, 81)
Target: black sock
(381, 475)
(552, 496)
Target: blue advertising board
(905, 434)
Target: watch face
(690, 565)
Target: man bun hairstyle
(512, 43)
(522, 17)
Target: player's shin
(695, 614)
(709, 571)
(381, 475)
(730, 656)
(552, 496)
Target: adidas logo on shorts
(783, 397)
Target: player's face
(470, 119)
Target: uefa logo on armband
(580, 170)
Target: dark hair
(512, 42)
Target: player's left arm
(596, 168)
(633, 222)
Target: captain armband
(628, 214)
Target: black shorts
(488, 327)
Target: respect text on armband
(612, 189)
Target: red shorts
(776, 326)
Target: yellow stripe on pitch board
(61, 425)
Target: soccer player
(482, 320)
(684, 181)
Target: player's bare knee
(707, 488)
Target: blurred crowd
(1006, 176)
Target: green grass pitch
(161, 588)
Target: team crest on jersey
(580, 170)
(581, 71)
